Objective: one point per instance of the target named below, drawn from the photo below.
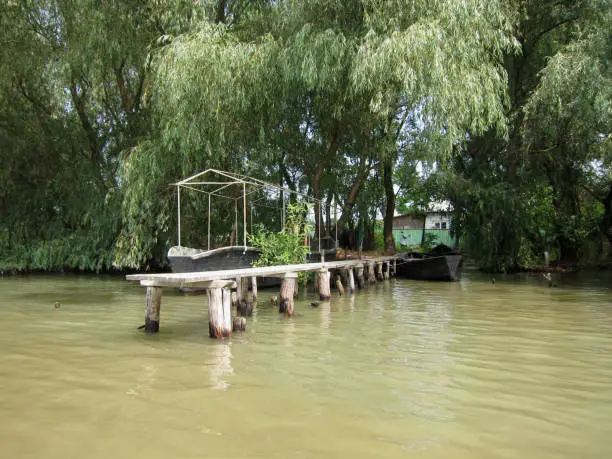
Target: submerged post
(394, 266)
(219, 313)
(153, 301)
(360, 278)
(370, 275)
(351, 281)
(286, 304)
(324, 287)
(379, 271)
(339, 284)
(254, 288)
(387, 270)
(243, 307)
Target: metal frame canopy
(222, 184)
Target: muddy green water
(401, 370)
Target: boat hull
(213, 260)
(435, 268)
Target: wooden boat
(434, 266)
(187, 260)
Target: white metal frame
(196, 181)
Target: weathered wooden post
(153, 300)
(370, 275)
(254, 288)
(286, 293)
(219, 312)
(324, 288)
(387, 270)
(394, 266)
(296, 288)
(379, 271)
(243, 307)
(344, 276)
(238, 324)
(360, 278)
(339, 284)
(351, 280)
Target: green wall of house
(415, 236)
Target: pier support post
(153, 300)
(219, 313)
(379, 272)
(370, 275)
(360, 278)
(254, 288)
(238, 324)
(286, 304)
(394, 266)
(387, 270)
(243, 307)
(324, 288)
(351, 281)
(339, 284)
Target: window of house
(437, 225)
(443, 225)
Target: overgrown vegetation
(288, 246)
(501, 107)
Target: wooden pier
(220, 283)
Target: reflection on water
(221, 365)
(404, 369)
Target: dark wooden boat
(187, 260)
(436, 265)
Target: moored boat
(430, 266)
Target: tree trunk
(389, 207)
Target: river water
(401, 370)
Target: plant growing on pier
(287, 246)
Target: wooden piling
(370, 274)
(351, 281)
(242, 289)
(324, 287)
(286, 304)
(379, 272)
(244, 307)
(238, 324)
(339, 284)
(219, 313)
(153, 301)
(360, 276)
(387, 270)
(254, 288)
(394, 266)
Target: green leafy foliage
(287, 246)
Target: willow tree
(568, 128)
(326, 84)
(514, 196)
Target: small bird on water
(314, 304)
(57, 305)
